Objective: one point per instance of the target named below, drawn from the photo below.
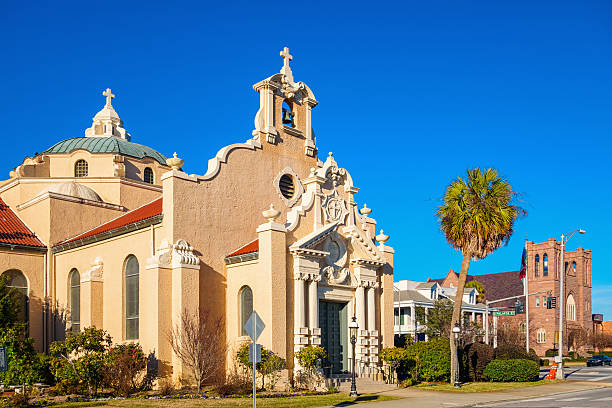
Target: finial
(330, 154)
(175, 162)
(382, 238)
(286, 57)
(365, 210)
(109, 96)
(271, 213)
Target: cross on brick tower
(109, 96)
(286, 56)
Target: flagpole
(526, 288)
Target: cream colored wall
(99, 165)
(32, 264)
(114, 252)
(134, 169)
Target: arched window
(571, 308)
(17, 280)
(537, 301)
(545, 266)
(288, 115)
(574, 268)
(537, 265)
(80, 168)
(541, 336)
(131, 297)
(74, 279)
(148, 175)
(246, 307)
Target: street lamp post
(564, 239)
(353, 326)
(456, 331)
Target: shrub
(512, 370)
(395, 357)
(125, 368)
(25, 366)
(544, 362)
(513, 352)
(80, 359)
(308, 358)
(478, 355)
(271, 368)
(432, 360)
(550, 353)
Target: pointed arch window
(536, 265)
(246, 307)
(74, 279)
(571, 308)
(81, 168)
(131, 277)
(545, 265)
(17, 280)
(148, 175)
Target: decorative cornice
(179, 255)
(50, 194)
(303, 252)
(251, 256)
(366, 262)
(96, 273)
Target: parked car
(599, 360)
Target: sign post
(254, 326)
(3, 360)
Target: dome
(74, 190)
(107, 145)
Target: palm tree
(481, 290)
(476, 216)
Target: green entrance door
(334, 336)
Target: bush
(432, 360)
(25, 366)
(80, 359)
(270, 366)
(513, 352)
(125, 369)
(478, 355)
(550, 353)
(308, 358)
(397, 358)
(512, 370)
(544, 362)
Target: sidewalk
(412, 397)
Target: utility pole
(526, 298)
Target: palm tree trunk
(465, 266)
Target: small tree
(308, 357)
(198, 344)
(272, 368)
(439, 319)
(394, 357)
(125, 367)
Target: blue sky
(411, 94)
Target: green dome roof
(107, 145)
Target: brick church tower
(543, 271)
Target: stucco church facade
(100, 231)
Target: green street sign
(505, 313)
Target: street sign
(505, 313)
(254, 326)
(3, 360)
(257, 353)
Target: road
(585, 374)
(598, 398)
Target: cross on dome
(286, 57)
(109, 96)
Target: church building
(98, 230)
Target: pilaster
(92, 295)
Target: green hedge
(512, 352)
(432, 360)
(512, 370)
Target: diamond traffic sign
(254, 326)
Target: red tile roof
(13, 231)
(251, 247)
(150, 210)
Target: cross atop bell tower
(286, 56)
(107, 122)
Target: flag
(524, 263)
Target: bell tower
(285, 108)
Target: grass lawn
(481, 386)
(338, 399)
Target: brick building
(543, 268)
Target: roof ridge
(75, 237)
